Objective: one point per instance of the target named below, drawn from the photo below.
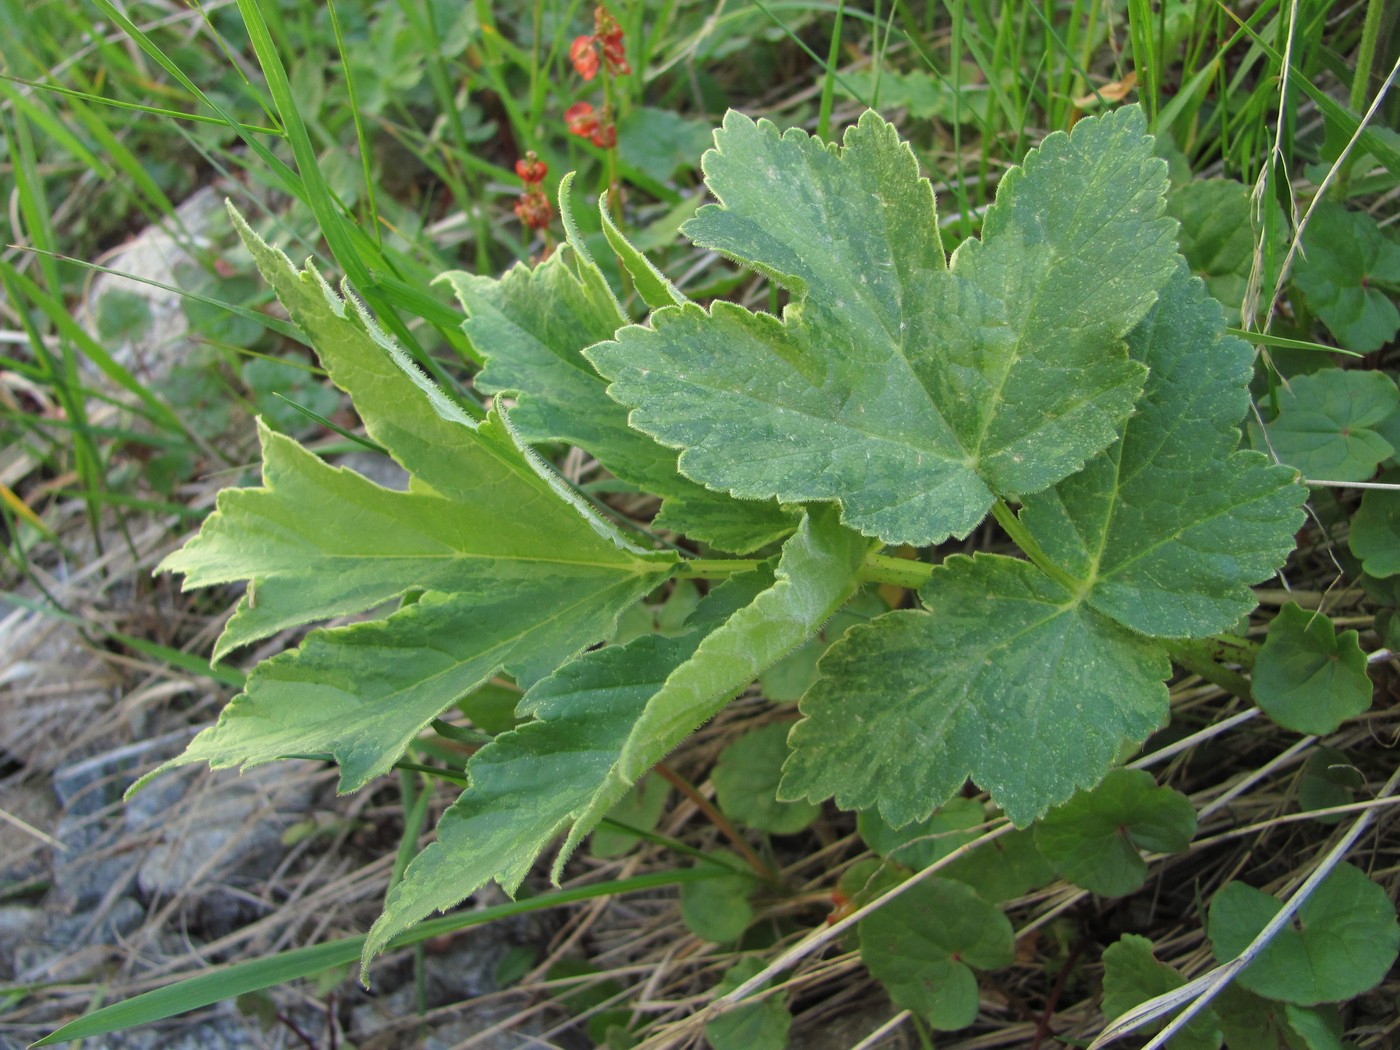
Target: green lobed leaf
(1007, 665)
(1095, 839)
(1218, 238)
(1345, 258)
(907, 391)
(815, 576)
(921, 945)
(1341, 942)
(757, 1026)
(1329, 423)
(918, 845)
(1004, 868)
(1308, 678)
(531, 326)
(1132, 975)
(718, 909)
(1250, 1022)
(1375, 529)
(1005, 661)
(1171, 525)
(746, 783)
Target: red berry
(533, 209)
(605, 137)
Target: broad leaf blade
(1331, 424)
(904, 391)
(1170, 526)
(1004, 665)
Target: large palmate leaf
(910, 391)
(518, 574)
(531, 326)
(1160, 535)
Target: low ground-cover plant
(1065, 376)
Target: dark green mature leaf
(1217, 238)
(1345, 258)
(1329, 423)
(758, 1026)
(1094, 840)
(1307, 677)
(1004, 868)
(921, 944)
(918, 845)
(1375, 529)
(1161, 534)
(718, 909)
(1341, 943)
(1171, 525)
(1131, 975)
(746, 783)
(1251, 1022)
(531, 326)
(1008, 665)
(908, 392)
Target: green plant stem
(1198, 658)
(1366, 54)
(718, 819)
(1021, 536)
(716, 568)
(901, 572)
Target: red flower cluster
(583, 121)
(533, 207)
(607, 38)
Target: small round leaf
(1094, 839)
(1308, 678)
(746, 783)
(921, 944)
(1339, 944)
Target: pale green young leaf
(1004, 666)
(318, 541)
(1343, 941)
(921, 946)
(1170, 526)
(425, 431)
(535, 781)
(1330, 424)
(906, 391)
(815, 575)
(1095, 839)
(1132, 975)
(1306, 676)
(529, 784)
(531, 326)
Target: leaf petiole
(1021, 536)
